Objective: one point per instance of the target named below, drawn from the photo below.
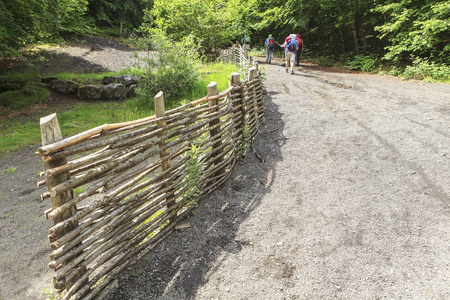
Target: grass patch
(21, 76)
(220, 74)
(89, 77)
(8, 171)
(16, 134)
(26, 97)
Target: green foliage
(23, 22)
(15, 133)
(111, 13)
(416, 28)
(171, 69)
(243, 146)
(325, 61)
(9, 171)
(21, 76)
(24, 98)
(217, 72)
(365, 63)
(194, 165)
(424, 70)
(209, 22)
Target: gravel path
(351, 202)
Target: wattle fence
(117, 190)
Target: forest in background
(398, 32)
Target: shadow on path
(182, 263)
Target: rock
(48, 79)
(64, 87)
(90, 92)
(115, 91)
(132, 91)
(129, 79)
(110, 79)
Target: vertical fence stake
(253, 98)
(256, 65)
(160, 112)
(240, 123)
(212, 91)
(258, 90)
(51, 133)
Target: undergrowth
(24, 98)
(17, 134)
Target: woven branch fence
(138, 180)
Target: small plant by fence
(117, 190)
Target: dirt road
(351, 202)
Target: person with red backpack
(270, 42)
(297, 55)
(291, 46)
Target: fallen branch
(273, 130)
(256, 153)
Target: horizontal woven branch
(135, 181)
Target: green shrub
(323, 61)
(422, 69)
(365, 63)
(24, 98)
(257, 51)
(172, 69)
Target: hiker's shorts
(290, 56)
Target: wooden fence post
(256, 65)
(160, 112)
(217, 147)
(239, 101)
(251, 74)
(254, 99)
(258, 90)
(51, 133)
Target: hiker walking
(291, 44)
(268, 45)
(299, 52)
(246, 42)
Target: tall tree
(209, 22)
(113, 13)
(416, 28)
(24, 21)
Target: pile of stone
(111, 87)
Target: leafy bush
(365, 63)
(171, 69)
(422, 69)
(257, 51)
(323, 61)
